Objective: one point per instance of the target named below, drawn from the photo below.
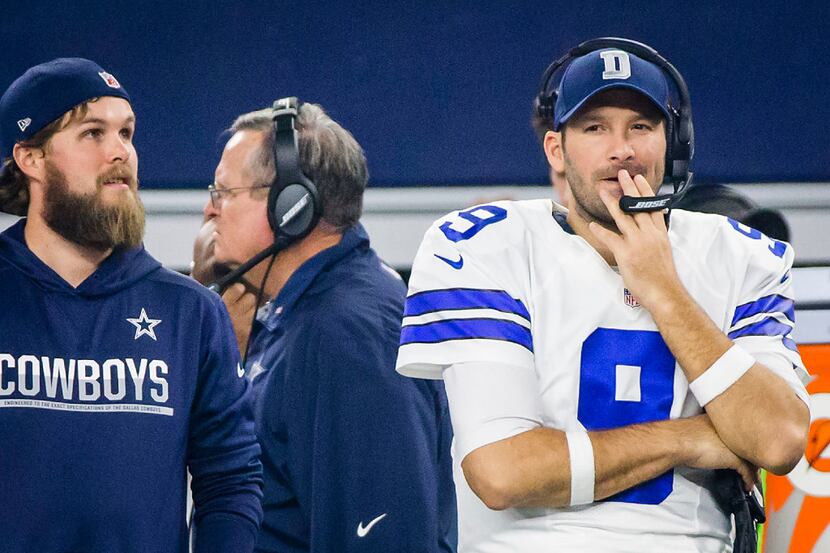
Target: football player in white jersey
(580, 347)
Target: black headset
(680, 140)
(293, 203)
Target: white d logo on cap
(617, 64)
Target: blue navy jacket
(355, 456)
(108, 391)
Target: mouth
(215, 237)
(612, 186)
(117, 182)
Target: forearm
(223, 533)
(759, 417)
(628, 456)
(533, 469)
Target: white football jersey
(506, 284)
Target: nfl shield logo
(111, 81)
(630, 300)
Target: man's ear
(30, 161)
(554, 152)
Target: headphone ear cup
(681, 142)
(544, 105)
(293, 212)
(684, 130)
(293, 207)
(273, 193)
(671, 145)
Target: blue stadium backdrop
(437, 92)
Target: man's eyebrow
(99, 121)
(585, 117)
(653, 117)
(595, 117)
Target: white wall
(396, 219)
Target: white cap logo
(111, 81)
(617, 64)
(24, 124)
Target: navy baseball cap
(45, 92)
(600, 70)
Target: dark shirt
(356, 457)
(108, 392)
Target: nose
(209, 210)
(621, 149)
(120, 149)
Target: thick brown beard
(86, 221)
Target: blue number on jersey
(603, 352)
(496, 214)
(776, 247)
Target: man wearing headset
(568, 340)
(116, 375)
(356, 458)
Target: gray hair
(329, 156)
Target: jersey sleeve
(491, 402)
(467, 296)
(223, 452)
(764, 317)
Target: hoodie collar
(121, 269)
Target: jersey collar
(309, 274)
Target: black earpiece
(293, 203)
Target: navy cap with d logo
(600, 70)
(47, 91)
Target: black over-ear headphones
(293, 203)
(680, 141)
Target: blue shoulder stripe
(467, 329)
(769, 326)
(789, 343)
(768, 304)
(453, 299)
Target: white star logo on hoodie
(144, 325)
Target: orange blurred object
(798, 504)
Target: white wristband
(581, 454)
(721, 375)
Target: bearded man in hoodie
(115, 374)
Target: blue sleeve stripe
(467, 329)
(463, 298)
(769, 304)
(789, 343)
(766, 327)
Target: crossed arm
(532, 467)
(759, 421)
(759, 417)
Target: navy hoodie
(108, 391)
